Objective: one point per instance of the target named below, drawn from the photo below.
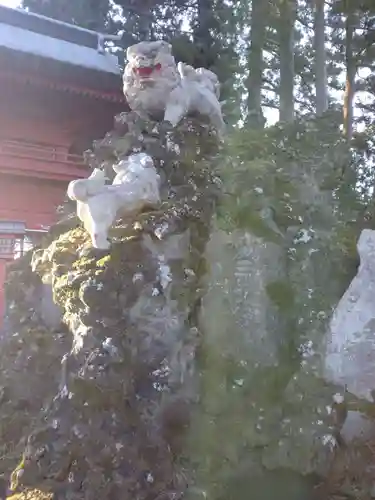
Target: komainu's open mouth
(146, 71)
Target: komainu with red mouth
(155, 87)
(149, 77)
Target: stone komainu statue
(129, 282)
(155, 86)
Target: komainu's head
(150, 64)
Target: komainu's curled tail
(204, 76)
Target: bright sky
(10, 3)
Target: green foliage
(262, 169)
(294, 187)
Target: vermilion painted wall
(30, 200)
(31, 187)
(48, 116)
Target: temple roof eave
(22, 40)
(61, 76)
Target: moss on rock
(116, 421)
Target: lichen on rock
(32, 343)
(281, 255)
(114, 426)
(189, 359)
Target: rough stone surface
(192, 361)
(237, 303)
(276, 273)
(114, 427)
(31, 495)
(350, 357)
(33, 342)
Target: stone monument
(127, 275)
(184, 353)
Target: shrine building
(59, 91)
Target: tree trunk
(202, 36)
(350, 72)
(203, 16)
(259, 13)
(145, 26)
(320, 59)
(286, 37)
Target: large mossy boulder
(190, 363)
(281, 254)
(114, 427)
(31, 347)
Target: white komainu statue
(155, 87)
(136, 186)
